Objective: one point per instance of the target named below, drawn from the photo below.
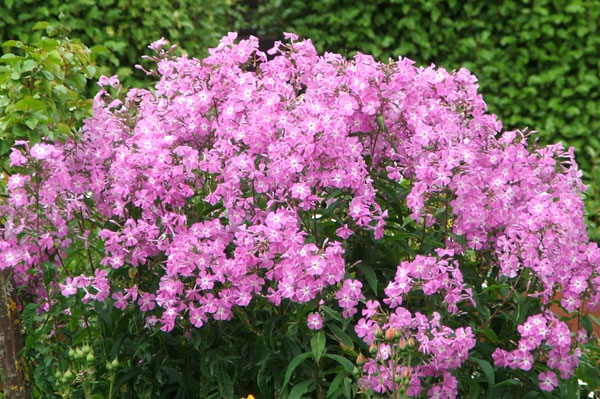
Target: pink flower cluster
(219, 186)
(440, 348)
(542, 336)
(431, 275)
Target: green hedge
(537, 61)
(124, 27)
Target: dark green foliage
(124, 27)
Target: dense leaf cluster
(41, 89)
(124, 27)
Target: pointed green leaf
(487, 369)
(40, 25)
(317, 343)
(300, 389)
(296, 361)
(347, 364)
(369, 275)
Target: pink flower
(300, 190)
(548, 381)
(344, 232)
(146, 301)
(17, 158)
(371, 308)
(314, 321)
(156, 45)
(42, 151)
(365, 329)
(112, 81)
(120, 300)
(69, 288)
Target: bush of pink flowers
(252, 175)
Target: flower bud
(71, 353)
(410, 342)
(390, 334)
(361, 359)
(90, 358)
(68, 374)
(379, 333)
(402, 343)
(115, 363)
(373, 348)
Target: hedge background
(125, 27)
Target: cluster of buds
(388, 369)
(410, 354)
(83, 352)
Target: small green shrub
(42, 89)
(125, 27)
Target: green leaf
(586, 322)
(225, 383)
(347, 364)
(490, 334)
(29, 103)
(300, 389)
(331, 313)
(29, 314)
(31, 123)
(60, 90)
(40, 25)
(12, 43)
(333, 388)
(296, 361)
(47, 74)
(28, 65)
(264, 375)
(34, 137)
(369, 275)
(381, 123)
(487, 369)
(16, 71)
(341, 336)
(508, 382)
(99, 49)
(474, 389)
(317, 343)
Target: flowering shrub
(314, 180)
